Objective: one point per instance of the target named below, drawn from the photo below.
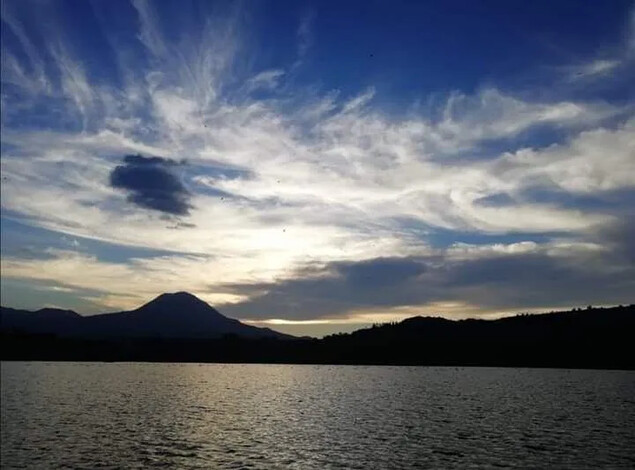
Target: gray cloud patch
(151, 183)
(496, 200)
(619, 237)
(379, 272)
(512, 282)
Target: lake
(133, 415)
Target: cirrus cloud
(297, 202)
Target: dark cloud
(328, 290)
(151, 183)
(379, 272)
(512, 282)
(619, 238)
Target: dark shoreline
(593, 338)
(443, 366)
(37, 348)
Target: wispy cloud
(327, 193)
(149, 32)
(305, 33)
(267, 80)
(13, 70)
(593, 69)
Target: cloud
(305, 34)
(152, 184)
(150, 34)
(15, 72)
(267, 80)
(503, 279)
(620, 237)
(305, 204)
(596, 160)
(613, 67)
(480, 279)
(379, 272)
(592, 69)
(109, 285)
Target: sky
(317, 167)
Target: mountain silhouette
(175, 315)
(45, 320)
(182, 328)
(590, 337)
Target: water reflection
(283, 416)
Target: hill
(594, 337)
(180, 328)
(178, 315)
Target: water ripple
(190, 416)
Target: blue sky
(317, 167)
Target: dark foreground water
(92, 415)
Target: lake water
(94, 415)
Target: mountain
(177, 315)
(45, 320)
(181, 328)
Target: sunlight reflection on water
(81, 415)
